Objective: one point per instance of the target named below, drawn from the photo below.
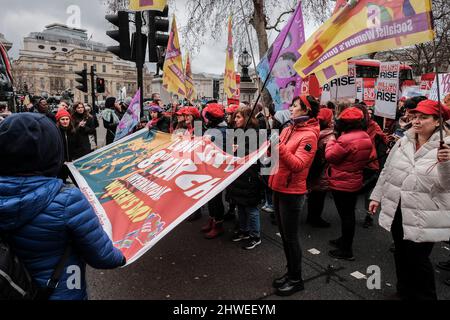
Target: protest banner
(387, 90)
(144, 185)
(191, 92)
(444, 87)
(229, 85)
(341, 88)
(236, 98)
(413, 91)
(141, 5)
(130, 119)
(359, 89)
(369, 92)
(363, 27)
(427, 80)
(173, 76)
(284, 83)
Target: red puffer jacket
(297, 148)
(348, 156)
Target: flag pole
(268, 75)
(441, 118)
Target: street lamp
(245, 60)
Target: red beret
(232, 108)
(431, 107)
(351, 114)
(62, 113)
(181, 112)
(215, 110)
(325, 114)
(193, 111)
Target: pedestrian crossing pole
(94, 110)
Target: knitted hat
(63, 113)
(31, 145)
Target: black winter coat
(246, 190)
(82, 133)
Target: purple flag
(284, 83)
(131, 118)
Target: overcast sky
(20, 17)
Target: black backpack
(16, 282)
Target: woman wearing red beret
(296, 146)
(347, 155)
(413, 192)
(318, 182)
(214, 117)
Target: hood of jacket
(23, 198)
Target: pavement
(185, 266)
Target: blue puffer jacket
(41, 216)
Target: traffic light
(83, 80)
(100, 85)
(158, 32)
(134, 47)
(122, 35)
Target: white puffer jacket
(423, 186)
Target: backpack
(16, 282)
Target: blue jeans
(249, 220)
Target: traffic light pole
(94, 107)
(139, 58)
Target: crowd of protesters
(399, 167)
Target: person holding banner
(413, 192)
(245, 192)
(297, 147)
(45, 220)
(348, 153)
(214, 118)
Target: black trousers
(345, 204)
(415, 273)
(316, 203)
(216, 208)
(287, 211)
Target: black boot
(279, 282)
(290, 287)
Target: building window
(42, 80)
(70, 68)
(85, 65)
(86, 99)
(40, 37)
(41, 47)
(64, 50)
(94, 58)
(103, 59)
(41, 66)
(30, 65)
(104, 69)
(84, 57)
(53, 48)
(63, 41)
